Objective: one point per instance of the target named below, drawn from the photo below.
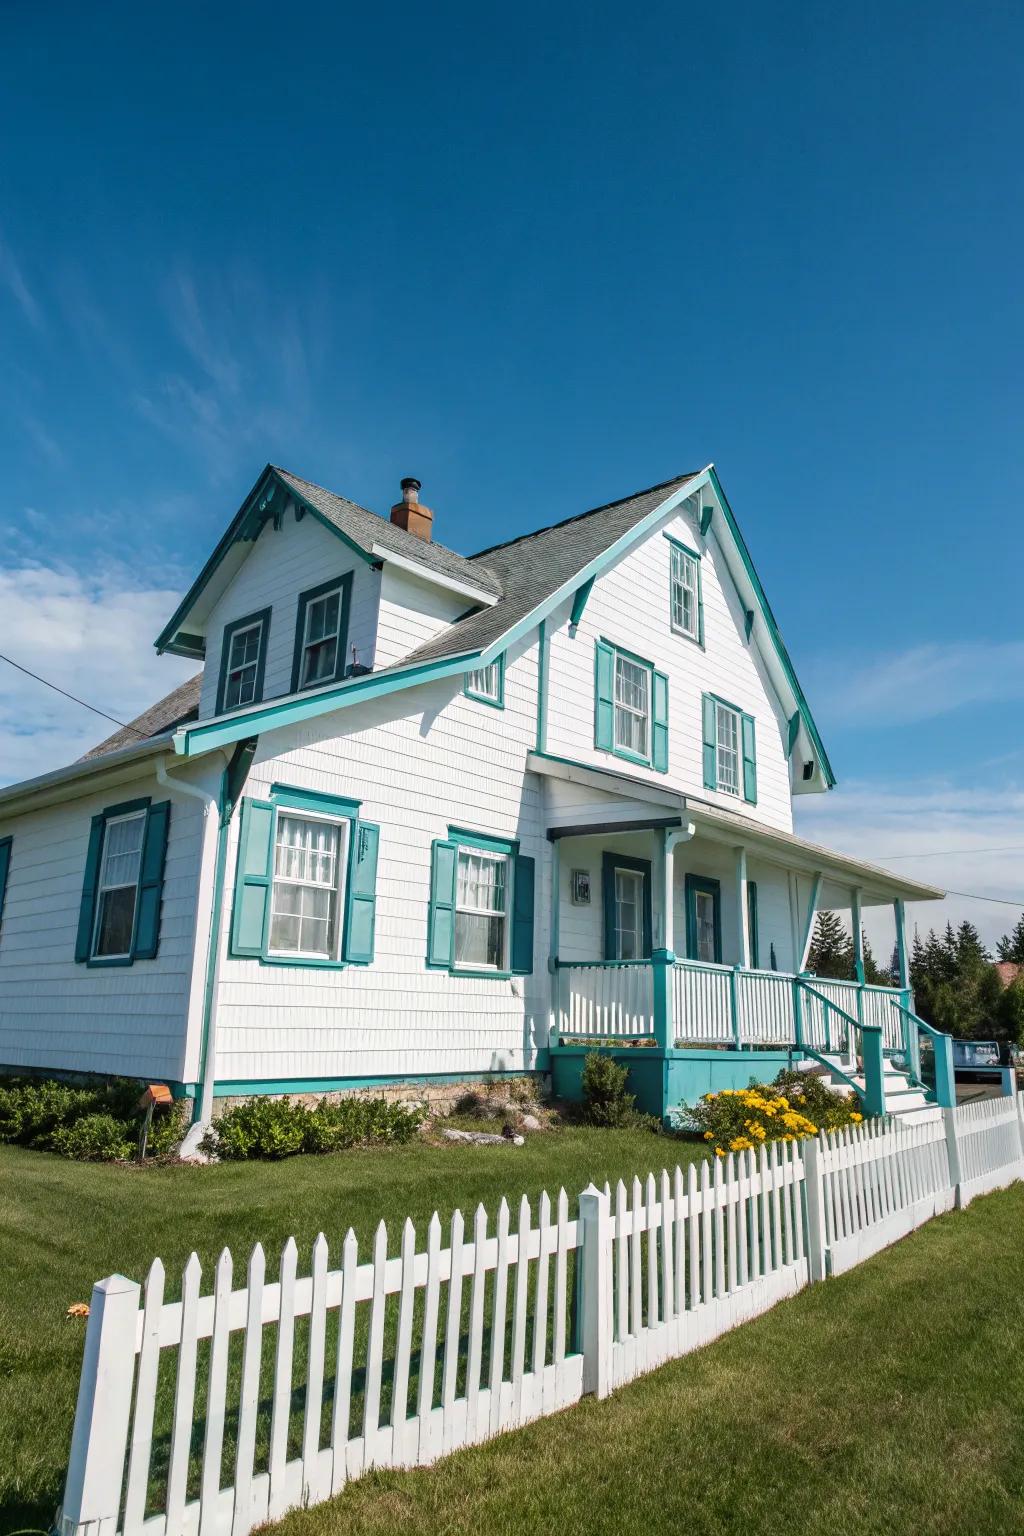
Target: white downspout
(673, 836)
(211, 812)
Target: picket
(673, 1261)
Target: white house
(424, 816)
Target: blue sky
(538, 258)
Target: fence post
(663, 960)
(596, 1291)
(952, 1150)
(945, 1077)
(813, 1150)
(99, 1442)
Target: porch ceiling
(620, 799)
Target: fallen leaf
(78, 1309)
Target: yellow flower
(709, 1135)
(719, 1152)
(856, 1118)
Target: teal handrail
(945, 1078)
(873, 1094)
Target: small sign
(581, 887)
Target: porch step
(903, 1099)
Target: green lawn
(891, 1400)
(65, 1225)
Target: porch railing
(726, 1005)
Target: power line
(947, 853)
(73, 697)
(1000, 901)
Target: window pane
(484, 681)
(479, 940)
(480, 901)
(122, 851)
(728, 751)
(306, 900)
(320, 648)
(628, 915)
(116, 920)
(631, 706)
(705, 911)
(684, 593)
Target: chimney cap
(410, 483)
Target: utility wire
(947, 853)
(1000, 901)
(73, 697)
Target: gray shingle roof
(530, 568)
(367, 528)
(176, 708)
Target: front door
(703, 919)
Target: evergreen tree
(1011, 945)
(831, 952)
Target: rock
(530, 1123)
(482, 1138)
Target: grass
(891, 1400)
(64, 1225)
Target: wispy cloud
(12, 278)
(92, 634)
(934, 832)
(921, 683)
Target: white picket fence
(208, 1415)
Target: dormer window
(685, 598)
(243, 660)
(321, 634)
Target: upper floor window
(730, 753)
(685, 593)
(243, 661)
(488, 684)
(321, 634)
(630, 707)
(309, 886)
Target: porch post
(742, 924)
(808, 935)
(900, 909)
(556, 991)
(663, 957)
(858, 934)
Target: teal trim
(246, 518)
(231, 785)
(794, 732)
(469, 839)
(748, 624)
(190, 741)
(749, 741)
(193, 646)
(521, 941)
(542, 686)
(686, 548)
(708, 887)
(774, 632)
(706, 514)
(444, 858)
(262, 618)
(709, 732)
(6, 843)
(241, 1087)
(314, 800)
(483, 698)
(659, 722)
(361, 896)
(342, 585)
(752, 934)
(746, 745)
(900, 910)
(610, 862)
(579, 603)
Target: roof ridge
(579, 516)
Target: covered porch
(686, 929)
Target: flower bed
(795, 1106)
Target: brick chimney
(408, 513)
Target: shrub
(273, 1128)
(41, 1112)
(795, 1106)
(95, 1138)
(605, 1100)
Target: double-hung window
(310, 855)
(118, 888)
(626, 890)
(630, 707)
(481, 910)
(321, 634)
(685, 593)
(487, 684)
(730, 751)
(243, 660)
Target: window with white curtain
(632, 705)
(307, 902)
(117, 891)
(481, 910)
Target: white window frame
(470, 850)
(102, 888)
(624, 748)
(682, 562)
(487, 684)
(258, 625)
(639, 877)
(722, 752)
(322, 597)
(344, 826)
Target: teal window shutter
(151, 881)
(522, 915)
(700, 603)
(253, 878)
(604, 697)
(87, 907)
(361, 917)
(749, 761)
(659, 734)
(441, 920)
(755, 948)
(710, 743)
(5, 865)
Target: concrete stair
(903, 1100)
